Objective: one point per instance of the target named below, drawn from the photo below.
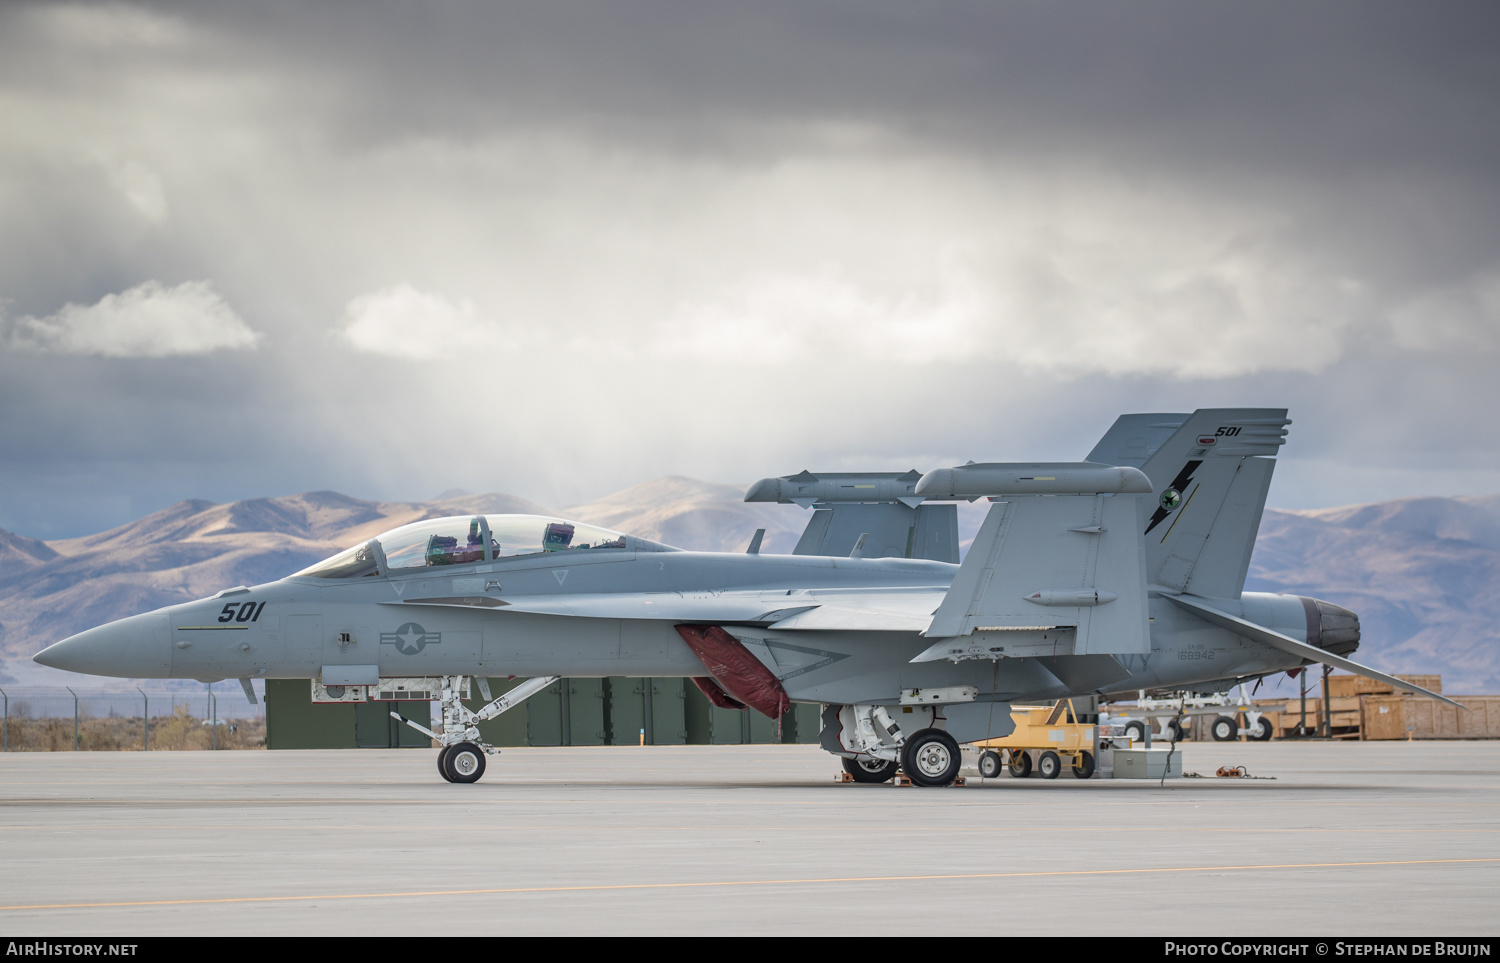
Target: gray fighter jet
(1121, 572)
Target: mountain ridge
(1423, 572)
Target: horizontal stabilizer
(1290, 645)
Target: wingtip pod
(1064, 478)
(765, 490)
(807, 489)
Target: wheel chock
(843, 777)
(902, 779)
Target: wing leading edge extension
(886, 610)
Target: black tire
(990, 766)
(931, 758)
(1263, 730)
(1084, 767)
(1048, 766)
(1175, 732)
(1225, 729)
(1020, 763)
(464, 762)
(870, 770)
(1136, 730)
(443, 763)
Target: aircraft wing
(897, 610)
(893, 610)
(1288, 644)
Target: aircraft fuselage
(456, 620)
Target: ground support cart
(1045, 739)
(1170, 717)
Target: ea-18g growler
(1118, 573)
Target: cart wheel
(990, 765)
(1135, 729)
(1020, 763)
(870, 770)
(1175, 732)
(1048, 766)
(1084, 767)
(443, 763)
(1225, 729)
(1263, 730)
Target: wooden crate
(1391, 717)
(1384, 717)
(1286, 723)
(1337, 704)
(1342, 686)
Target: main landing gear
(870, 770)
(931, 758)
(461, 758)
(875, 744)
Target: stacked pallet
(1345, 717)
(1361, 708)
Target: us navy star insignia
(410, 638)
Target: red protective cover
(740, 673)
(716, 695)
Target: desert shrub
(177, 732)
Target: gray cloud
(558, 248)
(150, 320)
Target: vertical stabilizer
(1210, 479)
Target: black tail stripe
(1178, 484)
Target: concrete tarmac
(1348, 839)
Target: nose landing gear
(463, 763)
(461, 758)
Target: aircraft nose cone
(136, 647)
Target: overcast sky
(557, 249)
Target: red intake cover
(716, 695)
(741, 674)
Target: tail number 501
(243, 612)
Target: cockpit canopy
(465, 539)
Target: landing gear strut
(461, 758)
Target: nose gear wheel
(463, 763)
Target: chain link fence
(161, 716)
